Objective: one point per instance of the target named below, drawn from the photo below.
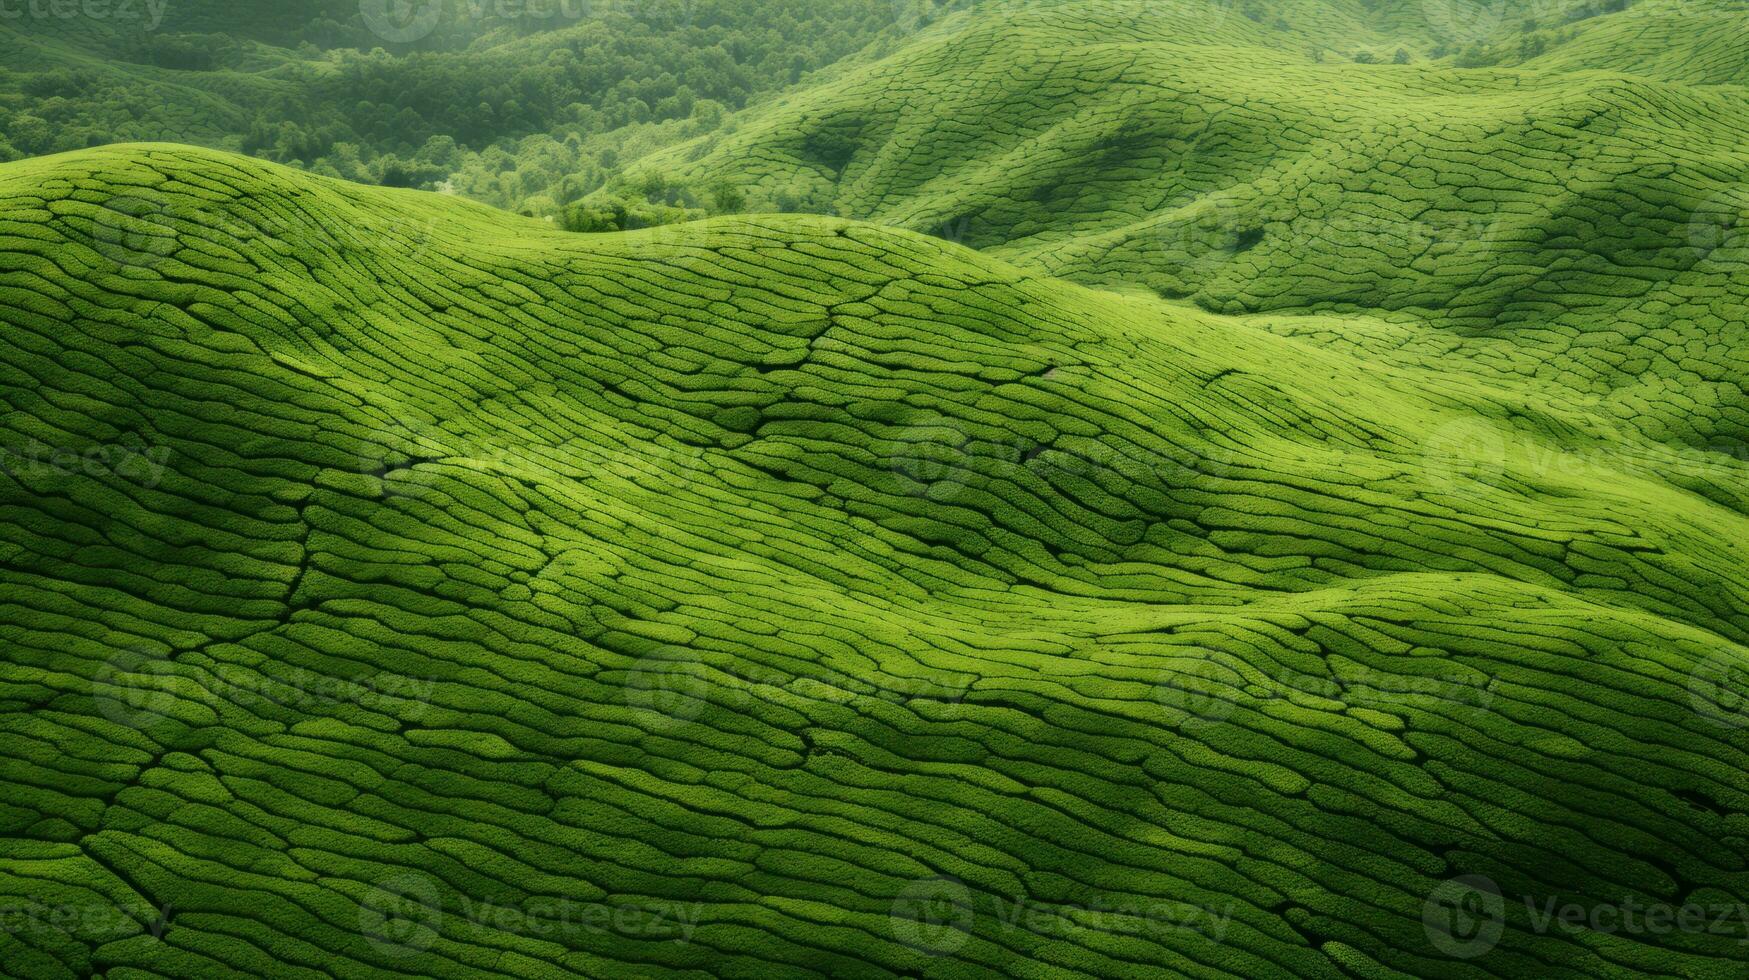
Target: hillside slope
(1563, 221)
(390, 586)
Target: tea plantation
(390, 586)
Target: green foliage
(1141, 155)
(395, 586)
(317, 89)
(391, 586)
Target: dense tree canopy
(522, 103)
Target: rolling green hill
(1574, 219)
(390, 586)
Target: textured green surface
(1576, 219)
(785, 596)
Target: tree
(30, 133)
(1400, 58)
(726, 198)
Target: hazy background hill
(380, 93)
(532, 104)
